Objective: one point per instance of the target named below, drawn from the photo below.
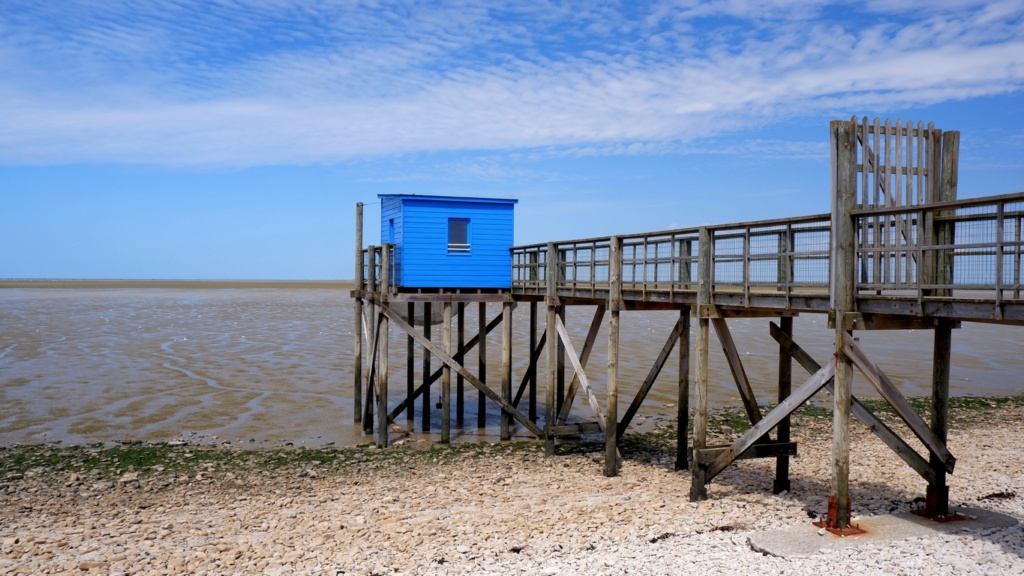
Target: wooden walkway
(898, 251)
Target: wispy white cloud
(240, 83)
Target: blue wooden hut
(449, 241)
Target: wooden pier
(897, 251)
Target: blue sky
(232, 139)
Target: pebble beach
(488, 508)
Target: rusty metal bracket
(830, 520)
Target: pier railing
(779, 256)
(969, 248)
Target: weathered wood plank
(577, 429)
(758, 450)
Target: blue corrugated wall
(421, 239)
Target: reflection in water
(265, 366)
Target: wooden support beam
(758, 450)
(899, 403)
(588, 347)
(781, 483)
(382, 357)
(937, 496)
(460, 383)
(842, 294)
(858, 409)
(698, 483)
(739, 375)
(446, 377)
(357, 353)
(410, 366)
(481, 351)
(551, 301)
(530, 379)
(683, 404)
(427, 380)
(531, 371)
(506, 368)
(785, 408)
(595, 406)
(371, 380)
(577, 429)
(439, 353)
(612, 458)
(648, 382)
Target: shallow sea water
(269, 366)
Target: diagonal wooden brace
(859, 410)
(899, 402)
(459, 368)
(771, 420)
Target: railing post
(357, 353)
(551, 300)
(844, 197)
(611, 458)
(698, 485)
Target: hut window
(458, 234)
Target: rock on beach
(500, 509)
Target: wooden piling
(683, 403)
(357, 353)
(698, 485)
(611, 436)
(506, 367)
(843, 259)
(427, 331)
(368, 398)
(382, 394)
(460, 381)
(551, 301)
(481, 351)
(446, 377)
(532, 369)
(781, 483)
(937, 496)
(410, 367)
